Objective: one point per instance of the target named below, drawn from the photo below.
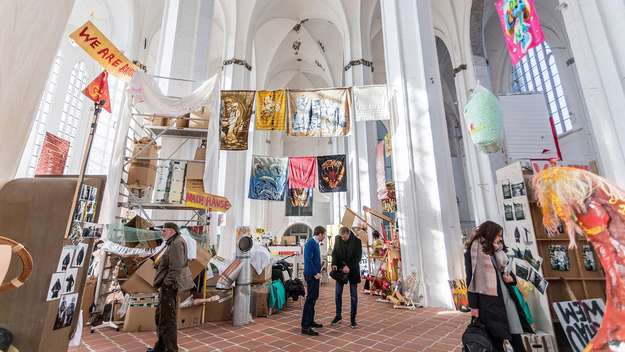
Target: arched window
(38, 130)
(537, 72)
(72, 107)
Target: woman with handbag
(491, 288)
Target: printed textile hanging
(380, 170)
(268, 179)
(271, 110)
(321, 113)
(332, 173)
(521, 27)
(234, 121)
(371, 103)
(302, 172)
(299, 202)
(484, 120)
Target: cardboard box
(260, 300)
(195, 171)
(140, 319)
(143, 172)
(200, 154)
(200, 118)
(200, 262)
(219, 310)
(289, 240)
(194, 185)
(142, 280)
(141, 193)
(142, 176)
(139, 223)
(183, 121)
(156, 120)
(261, 278)
(189, 317)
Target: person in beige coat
(172, 277)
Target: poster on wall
(56, 286)
(299, 202)
(521, 27)
(53, 157)
(65, 313)
(79, 255)
(580, 320)
(559, 257)
(71, 275)
(590, 261)
(332, 173)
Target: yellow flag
(271, 110)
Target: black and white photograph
(590, 263)
(65, 260)
(559, 257)
(519, 213)
(507, 192)
(56, 286)
(65, 313)
(521, 271)
(69, 283)
(92, 230)
(79, 255)
(540, 283)
(518, 189)
(509, 213)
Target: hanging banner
(268, 179)
(371, 103)
(271, 110)
(98, 90)
(299, 202)
(53, 156)
(388, 145)
(332, 173)
(320, 113)
(521, 27)
(380, 170)
(236, 112)
(97, 45)
(302, 172)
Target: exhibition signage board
(196, 198)
(100, 48)
(580, 320)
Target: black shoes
(310, 332)
(354, 324)
(336, 321)
(316, 325)
(150, 349)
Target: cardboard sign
(580, 320)
(196, 198)
(53, 155)
(100, 48)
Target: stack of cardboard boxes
(142, 170)
(195, 171)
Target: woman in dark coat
(490, 286)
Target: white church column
(30, 32)
(595, 32)
(422, 166)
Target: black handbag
(476, 338)
(339, 276)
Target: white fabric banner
(150, 100)
(371, 103)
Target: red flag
(98, 90)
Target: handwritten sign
(580, 320)
(100, 48)
(53, 155)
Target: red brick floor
(381, 328)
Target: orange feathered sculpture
(591, 206)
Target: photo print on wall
(56, 286)
(559, 257)
(509, 213)
(507, 191)
(590, 262)
(65, 313)
(519, 213)
(65, 260)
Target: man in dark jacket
(172, 276)
(312, 274)
(346, 256)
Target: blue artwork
(268, 179)
(322, 113)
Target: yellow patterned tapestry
(271, 110)
(321, 113)
(234, 121)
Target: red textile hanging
(302, 172)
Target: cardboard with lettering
(580, 320)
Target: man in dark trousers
(346, 256)
(312, 274)
(172, 276)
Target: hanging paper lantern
(484, 120)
